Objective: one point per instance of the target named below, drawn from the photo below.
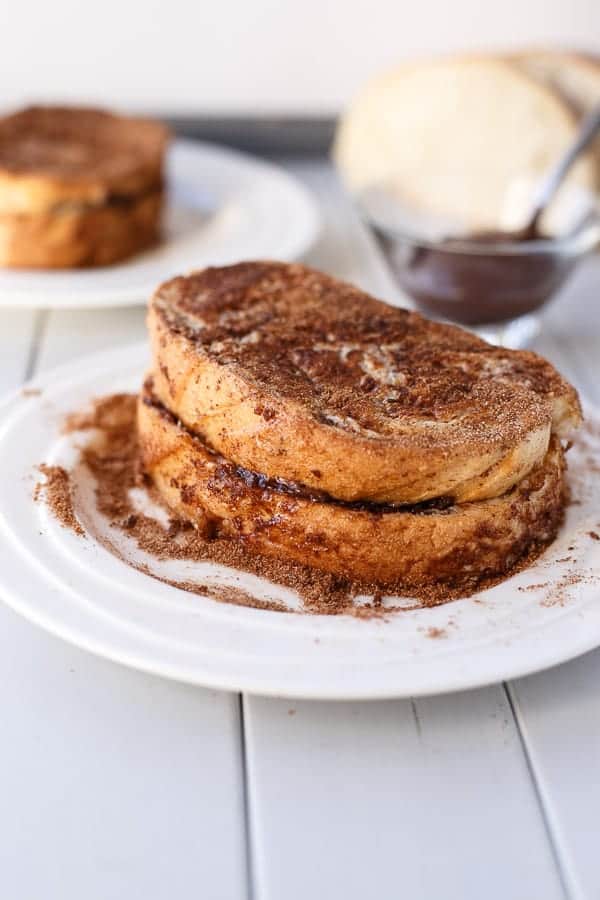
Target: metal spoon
(555, 177)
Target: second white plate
(222, 207)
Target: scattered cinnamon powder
(594, 535)
(111, 456)
(223, 592)
(56, 490)
(437, 633)
(30, 392)
(534, 587)
(559, 593)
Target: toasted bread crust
(55, 155)
(293, 374)
(418, 547)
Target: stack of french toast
(294, 413)
(78, 187)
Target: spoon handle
(555, 177)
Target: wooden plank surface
(398, 799)
(559, 712)
(115, 785)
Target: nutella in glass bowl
(490, 280)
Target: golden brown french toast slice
(291, 373)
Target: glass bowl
(495, 287)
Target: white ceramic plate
(79, 590)
(223, 206)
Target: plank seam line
(583, 372)
(416, 717)
(554, 848)
(248, 843)
(39, 327)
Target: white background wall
(252, 55)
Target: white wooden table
(116, 785)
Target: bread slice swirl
(295, 375)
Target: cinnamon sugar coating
(294, 374)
